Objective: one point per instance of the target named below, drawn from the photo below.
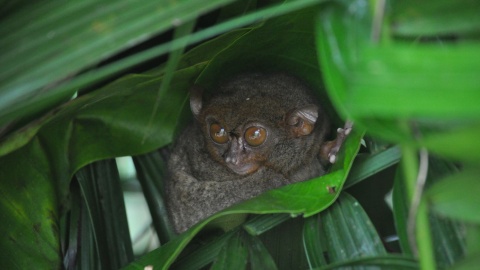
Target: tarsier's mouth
(243, 169)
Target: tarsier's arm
(329, 150)
(196, 200)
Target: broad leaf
(35, 178)
(379, 81)
(348, 232)
(38, 56)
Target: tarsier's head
(259, 120)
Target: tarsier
(255, 133)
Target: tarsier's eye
(218, 134)
(255, 136)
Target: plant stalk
(419, 234)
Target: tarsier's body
(257, 132)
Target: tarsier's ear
(301, 121)
(196, 100)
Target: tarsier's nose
(230, 159)
(231, 156)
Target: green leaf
(263, 223)
(383, 83)
(100, 188)
(284, 243)
(260, 258)
(28, 210)
(314, 247)
(368, 165)
(448, 236)
(456, 196)
(441, 17)
(150, 170)
(382, 262)
(233, 255)
(348, 232)
(473, 239)
(55, 47)
(281, 53)
(93, 127)
(470, 263)
(465, 146)
(202, 256)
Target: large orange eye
(255, 136)
(218, 134)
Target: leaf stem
(418, 226)
(424, 238)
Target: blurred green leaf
(456, 196)
(456, 143)
(473, 239)
(440, 17)
(394, 79)
(381, 84)
(470, 263)
(448, 236)
(38, 56)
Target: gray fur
(200, 183)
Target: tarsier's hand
(330, 149)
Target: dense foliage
(84, 82)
